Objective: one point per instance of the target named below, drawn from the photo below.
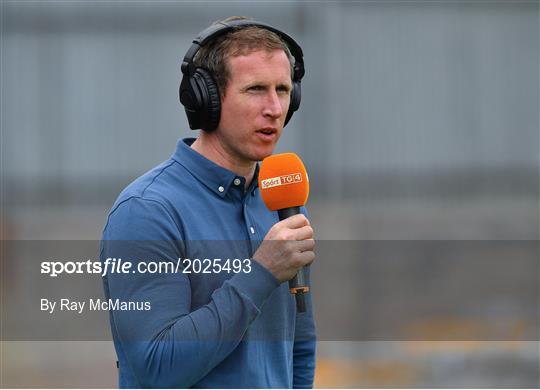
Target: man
(215, 327)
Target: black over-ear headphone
(199, 92)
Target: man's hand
(287, 247)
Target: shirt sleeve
(170, 345)
(305, 341)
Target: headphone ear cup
(211, 108)
(192, 100)
(294, 104)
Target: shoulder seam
(155, 177)
(144, 199)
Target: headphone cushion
(296, 96)
(213, 103)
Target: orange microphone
(284, 186)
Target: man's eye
(256, 88)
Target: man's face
(254, 105)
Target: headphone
(198, 90)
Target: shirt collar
(216, 178)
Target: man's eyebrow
(285, 86)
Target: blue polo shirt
(216, 326)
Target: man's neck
(210, 148)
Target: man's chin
(261, 155)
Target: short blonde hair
(240, 41)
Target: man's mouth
(267, 131)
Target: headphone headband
(221, 28)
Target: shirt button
(252, 230)
(236, 182)
(221, 189)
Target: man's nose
(272, 107)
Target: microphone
(284, 186)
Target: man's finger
(295, 221)
(305, 245)
(306, 258)
(303, 233)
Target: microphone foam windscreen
(283, 181)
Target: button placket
(250, 226)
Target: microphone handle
(288, 212)
(297, 285)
